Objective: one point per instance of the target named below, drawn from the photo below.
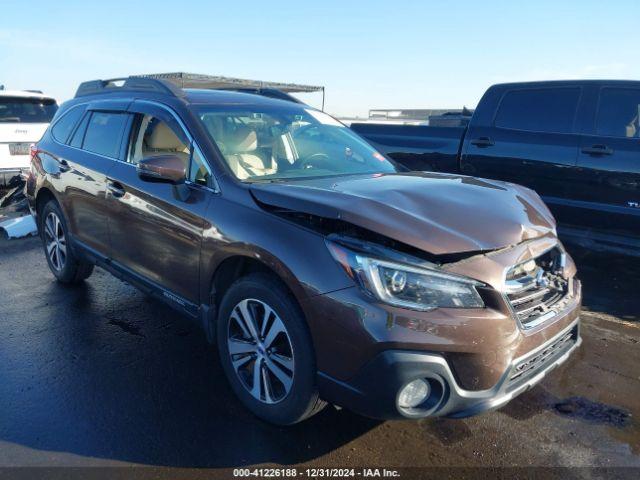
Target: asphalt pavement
(102, 375)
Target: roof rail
(137, 84)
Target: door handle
(483, 142)
(63, 166)
(115, 188)
(597, 150)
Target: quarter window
(618, 113)
(540, 110)
(63, 127)
(104, 133)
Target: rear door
(531, 140)
(90, 149)
(156, 228)
(609, 161)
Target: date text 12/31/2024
(315, 473)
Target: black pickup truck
(577, 143)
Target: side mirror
(163, 168)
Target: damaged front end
(467, 328)
(531, 281)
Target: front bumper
(373, 392)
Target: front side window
(104, 133)
(199, 172)
(275, 142)
(153, 136)
(27, 110)
(618, 113)
(539, 110)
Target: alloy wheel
(261, 351)
(55, 241)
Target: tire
(291, 350)
(63, 263)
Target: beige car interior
(243, 158)
(632, 130)
(239, 147)
(157, 138)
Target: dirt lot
(103, 375)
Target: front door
(156, 228)
(531, 141)
(609, 161)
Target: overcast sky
(368, 54)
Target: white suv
(24, 116)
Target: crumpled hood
(437, 213)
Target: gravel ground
(101, 375)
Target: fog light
(414, 393)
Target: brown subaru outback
(321, 269)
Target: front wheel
(266, 350)
(63, 263)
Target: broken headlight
(408, 286)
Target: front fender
(298, 255)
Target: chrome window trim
(216, 184)
(76, 148)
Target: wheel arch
(42, 197)
(235, 266)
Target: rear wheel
(63, 263)
(266, 350)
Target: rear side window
(618, 112)
(27, 110)
(104, 133)
(539, 110)
(63, 127)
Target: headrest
(242, 140)
(163, 138)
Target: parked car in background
(322, 271)
(576, 143)
(24, 116)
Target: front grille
(531, 365)
(535, 287)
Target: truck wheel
(266, 350)
(63, 263)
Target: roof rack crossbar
(133, 83)
(175, 83)
(217, 82)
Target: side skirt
(202, 313)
